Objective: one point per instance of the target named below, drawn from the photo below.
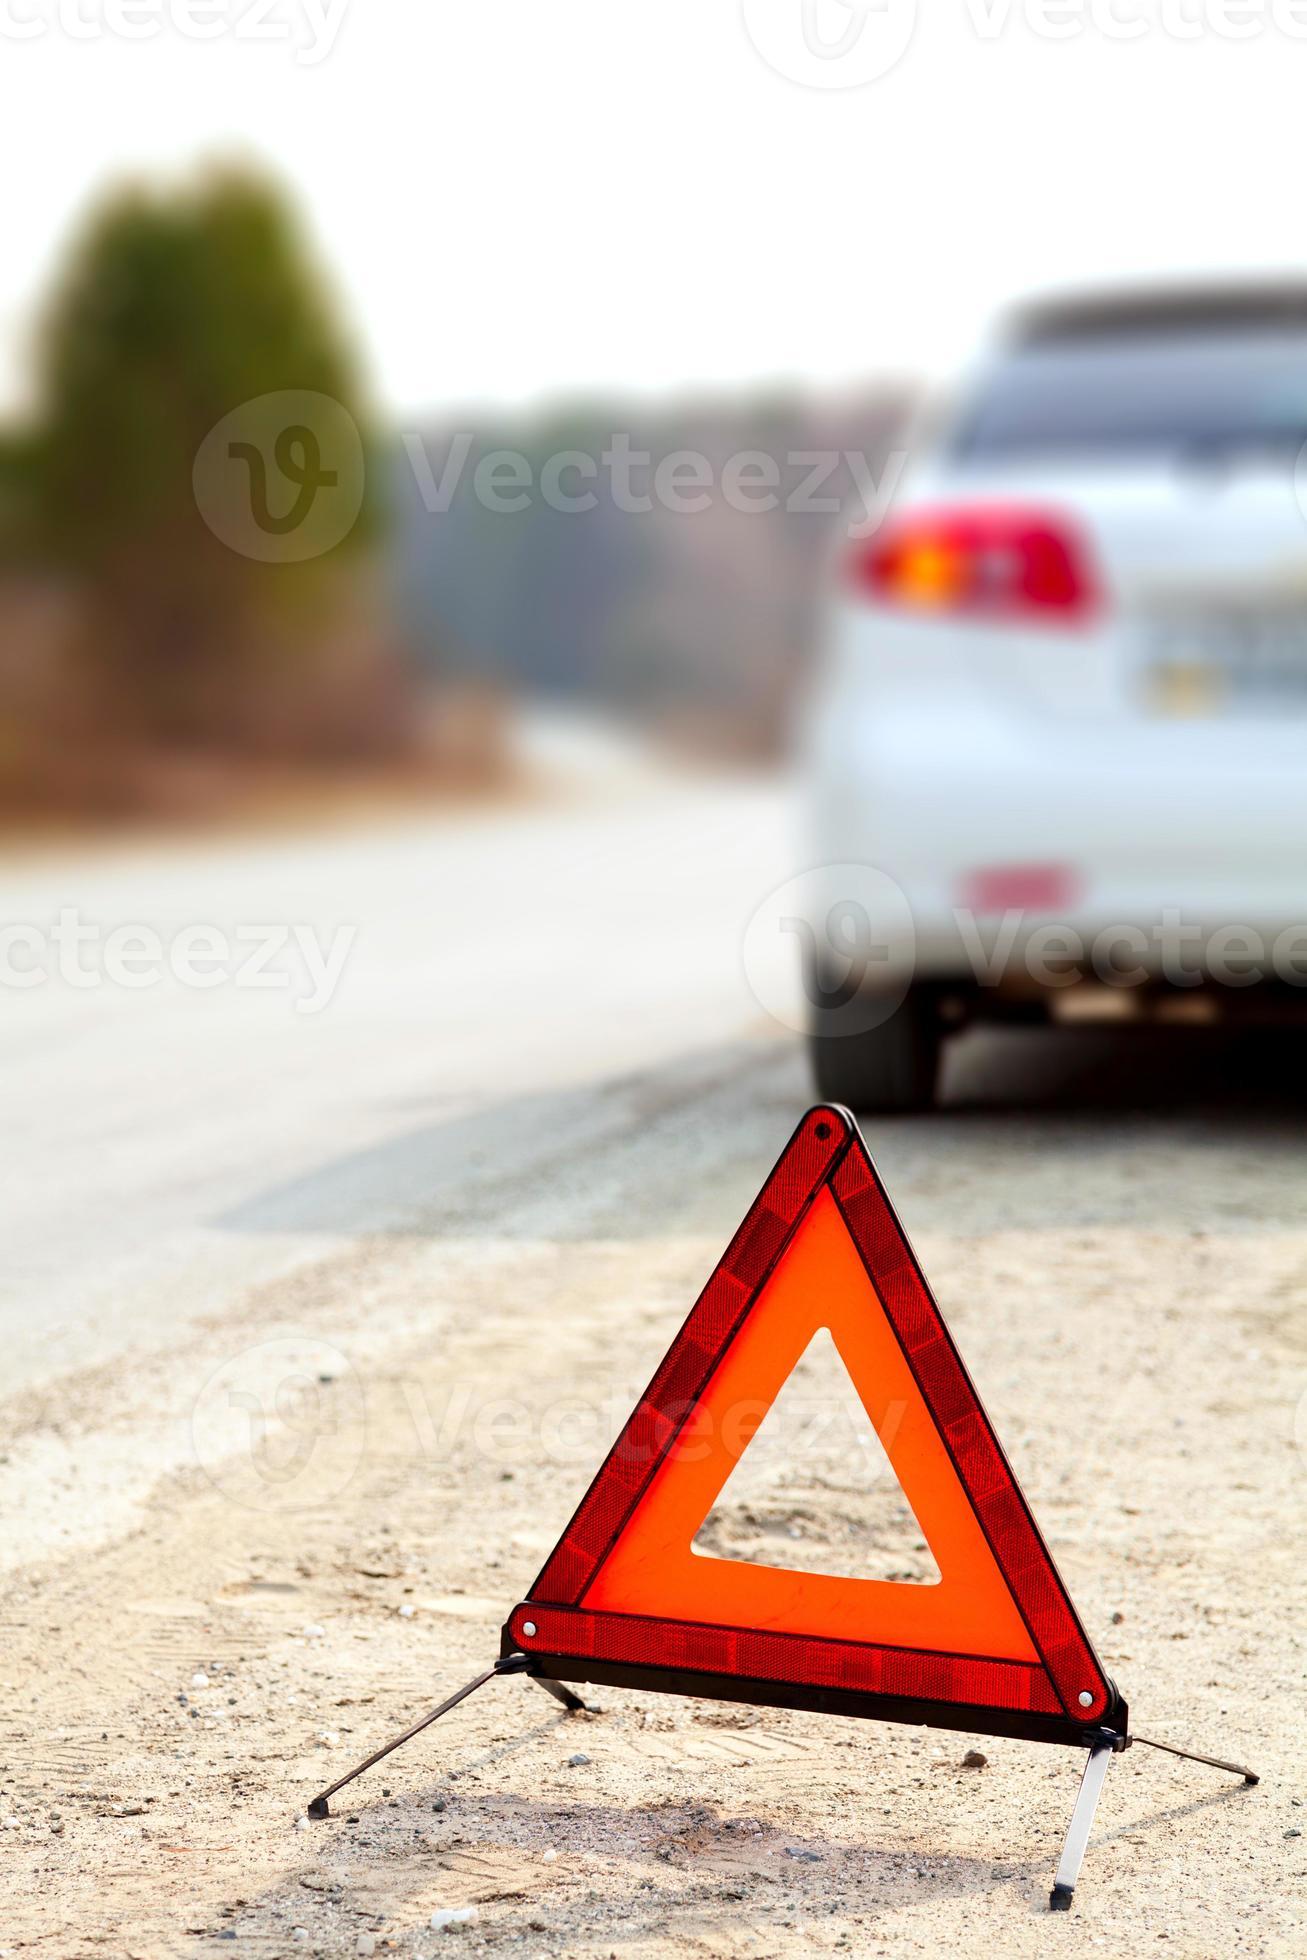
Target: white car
(1063, 713)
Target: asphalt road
(497, 1160)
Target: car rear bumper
(1154, 845)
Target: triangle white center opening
(814, 1490)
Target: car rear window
(1161, 392)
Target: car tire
(889, 1068)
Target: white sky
(522, 198)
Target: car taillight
(999, 562)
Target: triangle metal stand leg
(320, 1807)
(560, 1692)
(1091, 1789)
(1082, 1821)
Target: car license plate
(1228, 663)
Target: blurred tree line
(176, 306)
(161, 627)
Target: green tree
(178, 306)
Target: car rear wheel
(894, 1066)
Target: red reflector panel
(857, 1666)
(820, 1249)
(1021, 888)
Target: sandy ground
(398, 1341)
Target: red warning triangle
(625, 1597)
